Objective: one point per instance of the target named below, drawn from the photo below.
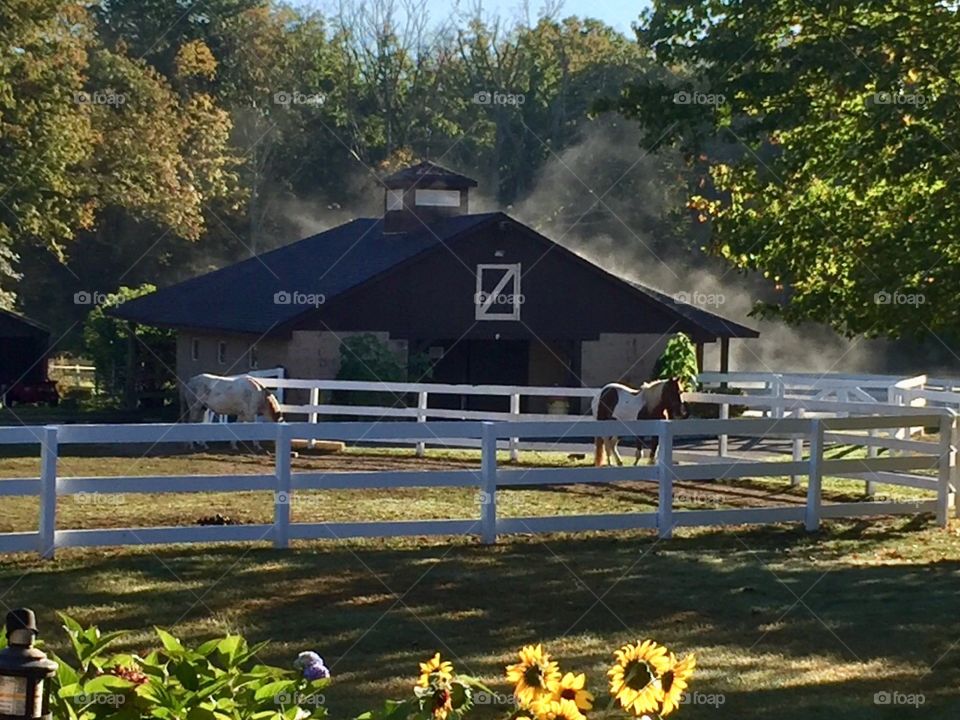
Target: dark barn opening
(481, 362)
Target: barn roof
(14, 325)
(428, 174)
(341, 259)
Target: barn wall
(620, 357)
(270, 353)
(316, 354)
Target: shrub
(368, 358)
(679, 360)
(218, 680)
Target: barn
(24, 347)
(487, 298)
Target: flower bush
(221, 679)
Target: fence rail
(489, 478)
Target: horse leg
(654, 443)
(598, 451)
(636, 460)
(616, 451)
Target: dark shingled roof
(712, 323)
(15, 325)
(427, 174)
(241, 297)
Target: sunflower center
(666, 681)
(568, 694)
(638, 674)
(533, 676)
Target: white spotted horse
(651, 401)
(243, 396)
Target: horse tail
(598, 453)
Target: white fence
(488, 478)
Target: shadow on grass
(783, 624)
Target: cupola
(423, 193)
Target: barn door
(498, 292)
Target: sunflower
(533, 675)
(571, 687)
(674, 682)
(556, 709)
(434, 666)
(635, 679)
(441, 703)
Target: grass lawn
(785, 624)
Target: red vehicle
(27, 393)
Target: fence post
(47, 526)
(421, 417)
(723, 438)
(515, 442)
(314, 417)
(812, 515)
(780, 392)
(870, 487)
(488, 484)
(944, 491)
(665, 472)
(283, 497)
(797, 449)
(954, 470)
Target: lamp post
(24, 694)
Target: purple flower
(307, 658)
(316, 671)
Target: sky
(616, 13)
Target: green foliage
(106, 340)
(679, 360)
(367, 358)
(827, 166)
(220, 679)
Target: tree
(107, 341)
(823, 135)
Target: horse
(242, 395)
(651, 401)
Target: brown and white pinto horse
(651, 401)
(243, 396)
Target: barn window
(498, 295)
(222, 352)
(195, 349)
(394, 199)
(254, 357)
(438, 198)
